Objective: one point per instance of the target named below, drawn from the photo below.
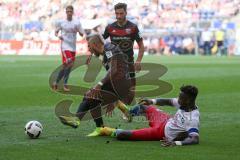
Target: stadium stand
(178, 23)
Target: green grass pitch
(25, 95)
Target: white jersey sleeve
(175, 103)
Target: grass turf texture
(25, 95)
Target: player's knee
(143, 109)
(138, 110)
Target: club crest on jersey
(128, 30)
(109, 54)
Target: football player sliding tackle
(180, 129)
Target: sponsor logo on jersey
(121, 38)
(128, 30)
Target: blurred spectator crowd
(34, 19)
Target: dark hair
(190, 90)
(120, 6)
(69, 7)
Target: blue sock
(136, 111)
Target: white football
(33, 129)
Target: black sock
(99, 122)
(83, 108)
(96, 113)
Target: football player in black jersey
(113, 87)
(123, 33)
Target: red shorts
(157, 121)
(68, 56)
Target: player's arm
(80, 29)
(190, 140)
(57, 30)
(106, 33)
(139, 40)
(81, 34)
(140, 52)
(193, 131)
(112, 71)
(194, 139)
(192, 134)
(157, 101)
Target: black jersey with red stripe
(123, 36)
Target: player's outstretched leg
(96, 114)
(95, 110)
(75, 121)
(145, 134)
(154, 116)
(107, 131)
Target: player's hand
(167, 143)
(109, 109)
(98, 87)
(137, 66)
(145, 101)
